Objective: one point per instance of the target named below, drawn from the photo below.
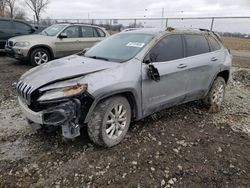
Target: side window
(5, 24)
(87, 31)
(168, 49)
(213, 43)
(100, 32)
(196, 44)
(95, 32)
(72, 32)
(22, 26)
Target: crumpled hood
(65, 68)
(29, 38)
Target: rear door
(6, 32)
(90, 36)
(167, 56)
(71, 44)
(200, 63)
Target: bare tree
(20, 14)
(2, 5)
(37, 6)
(10, 5)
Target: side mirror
(83, 51)
(63, 36)
(153, 73)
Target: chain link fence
(239, 26)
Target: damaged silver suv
(125, 77)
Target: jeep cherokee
(128, 76)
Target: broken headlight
(63, 92)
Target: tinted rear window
(22, 26)
(196, 44)
(5, 24)
(100, 32)
(213, 43)
(88, 32)
(168, 49)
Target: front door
(167, 56)
(69, 45)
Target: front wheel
(216, 95)
(39, 56)
(110, 121)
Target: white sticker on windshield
(136, 44)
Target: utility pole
(162, 16)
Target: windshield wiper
(96, 57)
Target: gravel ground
(184, 146)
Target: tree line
(17, 9)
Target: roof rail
(201, 29)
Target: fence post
(166, 22)
(110, 24)
(212, 25)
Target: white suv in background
(56, 41)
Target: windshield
(52, 30)
(120, 47)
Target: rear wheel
(110, 121)
(39, 56)
(216, 95)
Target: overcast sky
(136, 8)
(97, 9)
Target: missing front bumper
(66, 115)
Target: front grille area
(24, 92)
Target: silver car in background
(128, 76)
(56, 41)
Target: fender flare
(42, 46)
(137, 109)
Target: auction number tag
(136, 44)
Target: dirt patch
(242, 76)
(184, 146)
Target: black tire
(98, 127)
(214, 103)
(34, 53)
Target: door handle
(214, 59)
(181, 66)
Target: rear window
(196, 44)
(22, 26)
(214, 45)
(5, 24)
(100, 32)
(88, 32)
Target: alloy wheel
(218, 93)
(41, 57)
(116, 121)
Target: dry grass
(237, 43)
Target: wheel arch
(128, 94)
(224, 74)
(46, 47)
